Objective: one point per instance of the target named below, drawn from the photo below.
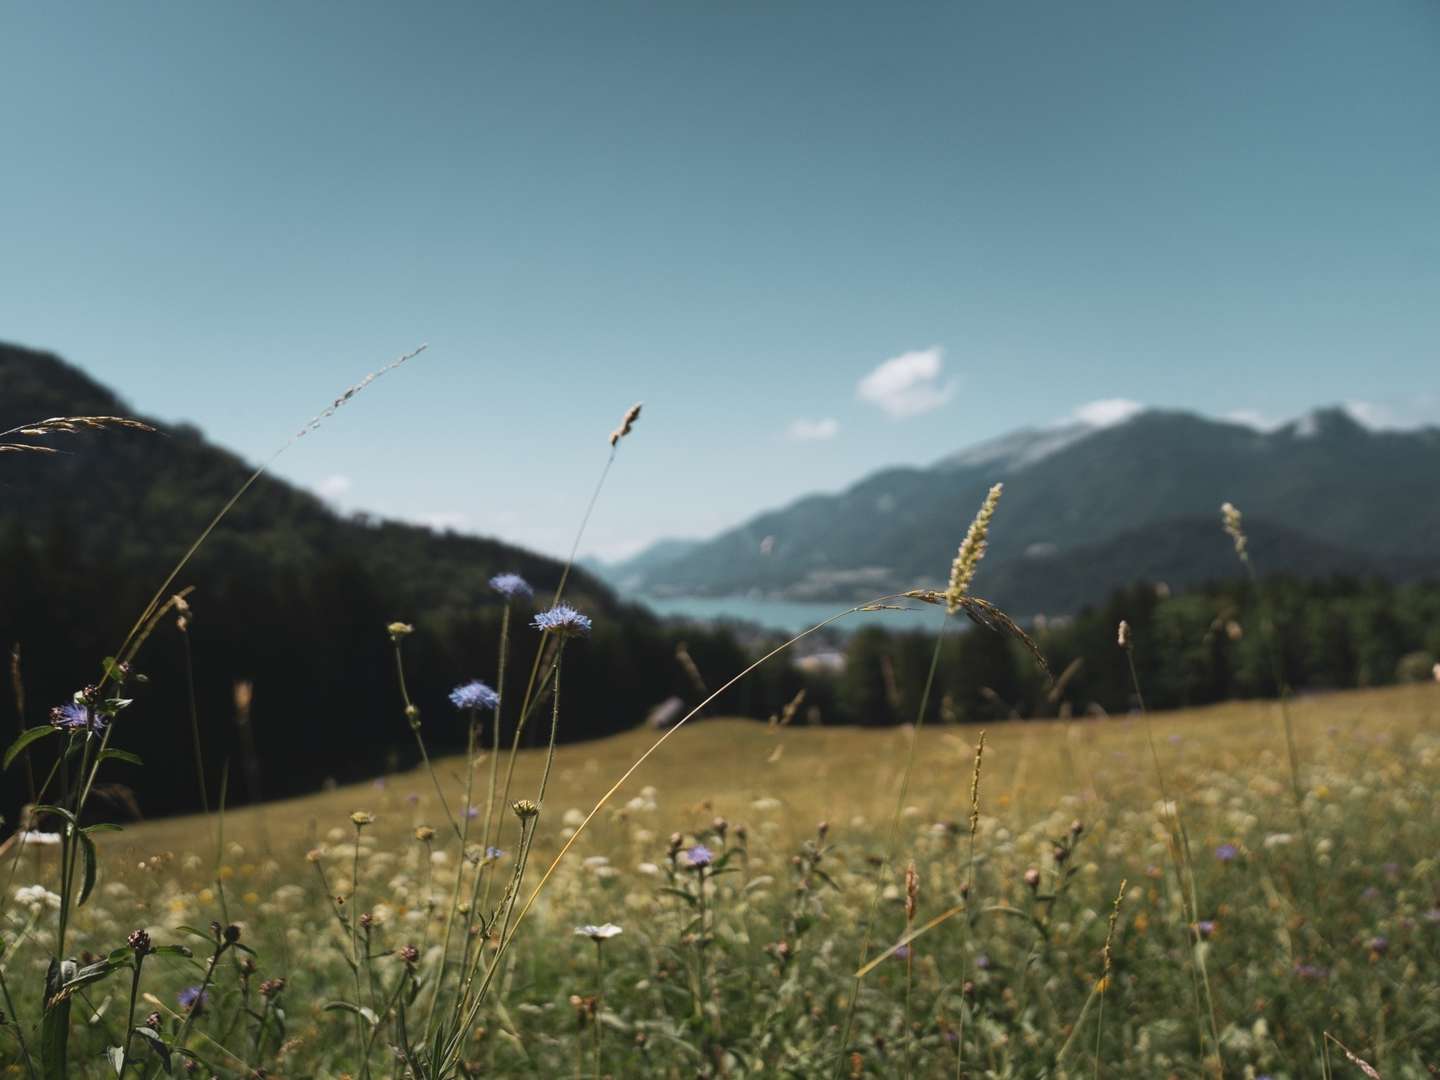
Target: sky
(814, 239)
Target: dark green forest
(1208, 644)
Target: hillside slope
(1089, 509)
(288, 594)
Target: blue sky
(736, 212)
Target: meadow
(1247, 890)
(746, 967)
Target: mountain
(288, 594)
(629, 574)
(1088, 509)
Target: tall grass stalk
(134, 637)
(398, 631)
(888, 853)
(1105, 972)
(1181, 856)
(182, 624)
(968, 898)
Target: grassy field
(1290, 957)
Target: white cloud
(1371, 415)
(1252, 418)
(803, 430)
(908, 384)
(445, 520)
(1106, 412)
(332, 487)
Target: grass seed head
(627, 422)
(1230, 519)
(972, 550)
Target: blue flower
(564, 620)
(901, 951)
(1226, 852)
(474, 695)
(193, 999)
(493, 852)
(77, 717)
(511, 586)
(699, 857)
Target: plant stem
(599, 998)
(130, 1018)
(412, 717)
(19, 1031)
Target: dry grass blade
(344, 398)
(63, 425)
(1354, 1059)
(983, 613)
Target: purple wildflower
(474, 695)
(75, 716)
(511, 585)
(193, 999)
(699, 857)
(902, 952)
(1379, 945)
(472, 812)
(1311, 971)
(982, 961)
(1226, 852)
(562, 619)
(493, 852)
(1205, 928)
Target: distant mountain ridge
(1091, 508)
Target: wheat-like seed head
(972, 550)
(626, 423)
(64, 425)
(1231, 521)
(1110, 931)
(975, 787)
(344, 398)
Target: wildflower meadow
(1248, 890)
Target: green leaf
(28, 736)
(103, 826)
(87, 848)
(359, 1010)
(156, 1043)
(55, 1024)
(172, 950)
(201, 934)
(112, 754)
(120, 958)
(47, 808)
